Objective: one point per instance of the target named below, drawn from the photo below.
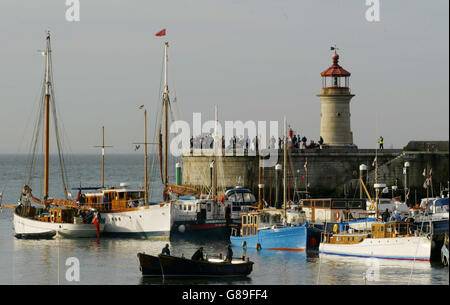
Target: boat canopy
(441, 202)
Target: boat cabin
(378, 230)
(254, 221)
(57, 216)
(241, 199)
(113, 199)
(333, 210)
(190, 208)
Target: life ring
(52, 218)
(337, 215)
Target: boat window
(382, 229)
(318, 203)
(244, 220)
(134, 195)
(249, 197)
(355, 204)
(326, 203)
(339, 204)
(208, 206)
(255, 220)
(239, 197)
(121, 195)
(306, 203)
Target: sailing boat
(268, 228)
(127, 211)
(47, 222)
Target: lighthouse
(335, 105)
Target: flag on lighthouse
(161, 33)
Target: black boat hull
(170, 266)
(214, 229)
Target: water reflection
(204, 281)
(114, 261)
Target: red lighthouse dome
(335, 76)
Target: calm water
(114, 261)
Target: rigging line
(158, 115)
(57, 136)
(64, 132)
(60, 155)
(34, 140)
(21, 142)
(32, 158)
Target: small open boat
(171, 266)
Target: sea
(114, 260)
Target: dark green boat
(171, 266)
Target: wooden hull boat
(391, 240)
(28, 228)
(171, 266)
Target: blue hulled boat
(264, 230)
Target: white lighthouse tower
(335, 111)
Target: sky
(255, 59)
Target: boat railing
(325, 237)
(235, 232)
(111, 206)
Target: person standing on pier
(381, 142)
(320, 142)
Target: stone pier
(331, 171)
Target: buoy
(181, 228)
(258, 246)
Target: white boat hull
(146, 221)
(29, 228)
(401, 248)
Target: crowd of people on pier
(244, 143)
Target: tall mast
(259, 174)
(166, 102)
(306, 178)
(103, 156)
(145, 143)
(376, 183)
(216, 148)
(47, 116)
(284, 167)
(146, 157)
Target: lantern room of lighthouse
(335, 105)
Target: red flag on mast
(161, 33)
